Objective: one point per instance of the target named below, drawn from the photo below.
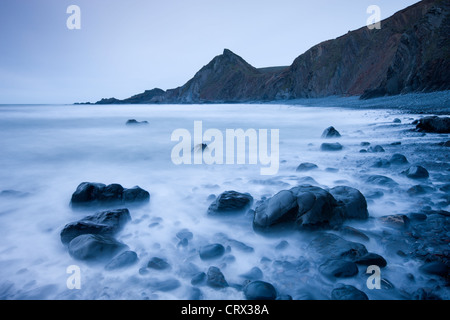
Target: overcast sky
(127, 46)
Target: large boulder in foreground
(230, 202)
(102, 223)
(95, 248)
(434, 124)
(308, 206)
(99, 194)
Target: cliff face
(411, 52)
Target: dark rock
(198, 278)
(398, 158)
(164, 285)
(353, 202)
(421, 294)
(445, 187)
(371, 259)
(215, 278)
(419, 189)
(330, 132)
(332, 246)
(158, 264)
(435, 268)
(397, 221)
(254, 274)
(381, 163)
(135, 122)
(347, 292)
(306, 166)
(331, 146)
(417, 172)
(338, 268)
(91, 247)
(200, 147)
(95, 194)
(103, 223)
(282, 245)
(396, 143)
(364, 144)
(284, 297)
(434, 124)
(374, 194)
(260, 290)
(240, 246)
(194, 294)
(279, 208)
(125, 259)
(230, 202)
(352, 232)
(397, 120)
(381, 180)
(363, 151)
(211, 251)
(377, 148)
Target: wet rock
(306, 166)
(123, 260)
(376, 148)
(374, 194)
(338, 269)
(397, 120)
(184, 234)
(445, 187)
(398, 159)
(284, 297)
(434, 124)
(371, 259)
(381, 163)
(435, 268)
(134, 122)
(422, 294)
(240, 246)
(419, 189)
(215, 278)
(332, 246)
(282, 245)
(416, 172)
(331, 146)
(260, 290)
(254, 274)
(98, 194)
(381, 180)
(364, 144)
(397, 221)
(352, 201)
(444, 143)
(158, 264)
(198, 279)
(211, 251)
(330, 132)
(347, 292)
(91, 247)
(103, 223)
(353, 232)
(230, 202)
(396, 143)
(194, 294)
(200, 147)
(164, 285)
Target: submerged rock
(254, 274)
(371, 259)
(434, 124)
(330, 132)
(338, 268)
(215, 278)
(347, 292)
(157, 263)
(332, 246)
(123, 260)
(211, 251)
(435, 268)
(331, 146)
(260, 290)
(417, 172)
(134, 122)
(398, 158)
(306, 166)
(376, 148)
(103, 223)
(98, 194)
(381, 180)
(230, 202)
(90, 247)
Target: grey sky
(126, 47)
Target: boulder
(334, 268)
(90, 247)
(332, 246)
(435, 268)
(254, 274)
(306, 166)
(123, 260)
(376, 148)
(416, 172)
(331, 146)
(260, 290)
(98, 194)
(215, 278)
(371, 259)
(330, 132)
(103, 223)
(348, 292)
(230, 202)
(396, 221)
(353, 202)
(381, 181)
(434, 124)
(211, 251)
(158, 264)
(398, 158)
(134, 122)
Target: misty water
(47, 151)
